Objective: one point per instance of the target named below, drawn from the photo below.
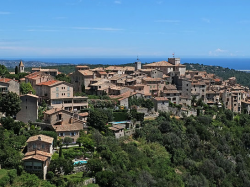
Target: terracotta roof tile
(36, 157)
(161, 98)
(86, 72)
(44, 138)
(84, 114)
(48, 83)
(38, 152)
(5, 80)
(76, 126)
(160, 63)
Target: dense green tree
(67, 141)
(25, 88)
(16, 70)
(10, 124)
(86, 142)
(63, 77)
(3, 70)
(61, 165)
(29, 180)
(94, 165)
(98, 119)
(10, 104)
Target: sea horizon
(232, 63)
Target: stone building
(52, 72)
(161, 104)
(59, 94)
(37, 77)
(64, 123)
(9, 85)
(171, 92)
(29, 108)
(21, 67)
(173, 64)
(81, 78)
(38, 155)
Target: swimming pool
(120, 122)
(80, 162)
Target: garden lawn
(75, 177)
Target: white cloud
(4, 13)
(205, 20)
(168, 21)
(218, 52)
(117, 2)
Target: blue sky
(124, 28)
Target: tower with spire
(21, 67)
(137, 64)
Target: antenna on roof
(173, 55)
(137, 58)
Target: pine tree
(16, 70)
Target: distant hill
(11, 64)
(70, 68)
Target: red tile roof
(44, 138)
(161, 99)
(48, 83)
(5, 80)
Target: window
(57, 88)
(57, 94)
(34, 146)
(56, 101)
(68, 94)
(68, 88)
(43, 146)
(62, 87)
(28, 167)
(61, 134)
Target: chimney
(71, 120)
(39, 138)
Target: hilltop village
(165, 86)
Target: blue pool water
(120, 122)
(80, 162)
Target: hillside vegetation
(243, 78)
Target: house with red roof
(9, 85)
(59, 94)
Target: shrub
(4, 181)
(12, 174)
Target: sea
(232, 63)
